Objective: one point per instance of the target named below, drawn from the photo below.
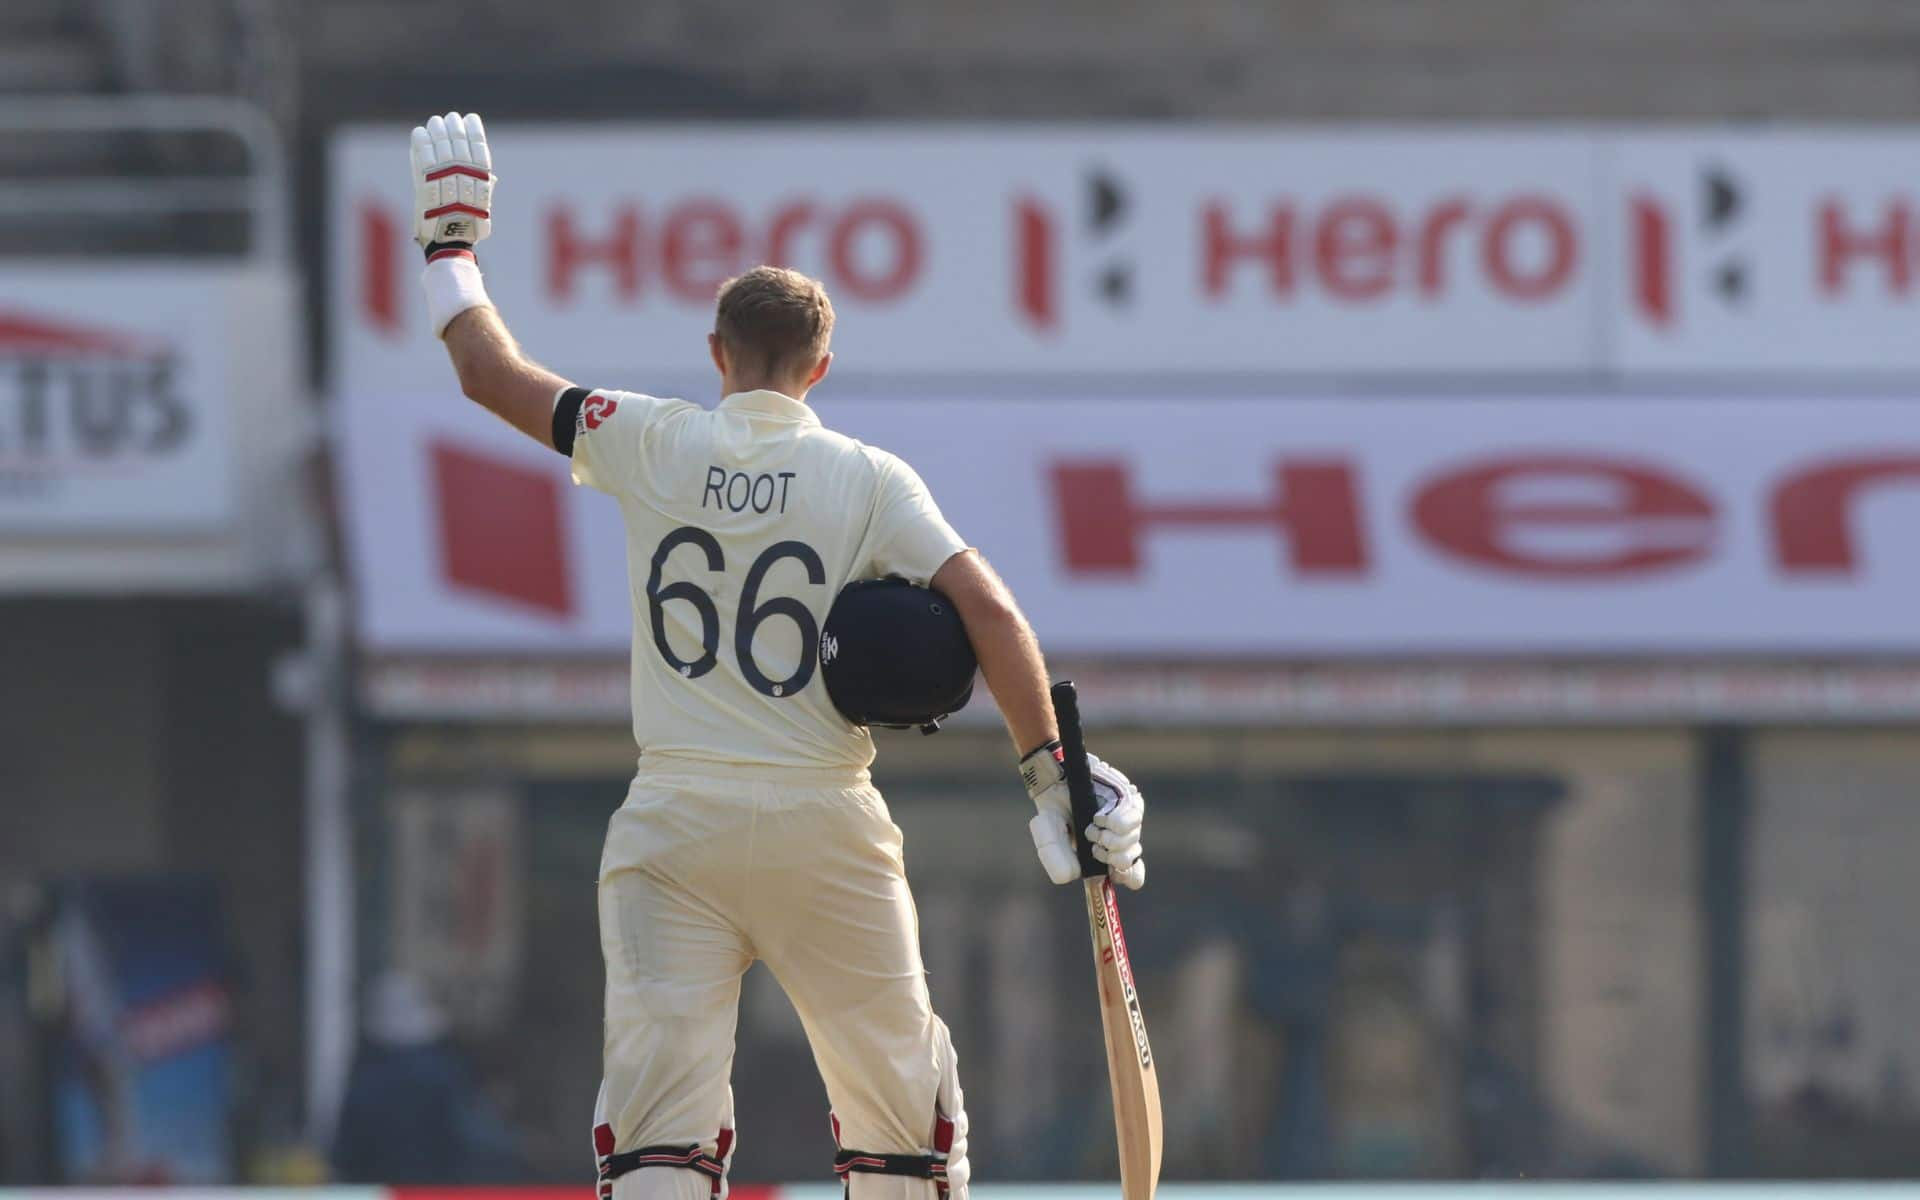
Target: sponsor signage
(1115, 249)
(1175, 526)
(139, 1076)
(115, 398)
(1766, 251)
(1011, 251)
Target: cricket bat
(1136, 1085)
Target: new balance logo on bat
(1109, 915)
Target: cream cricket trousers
(705, 872)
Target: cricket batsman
(751, 829)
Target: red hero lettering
(1565, 516)
(1357, 250)
(1813, 510)
(1852, 245)
(870, 248)
(1547, 516)
(617, 250)
(700, 248)
(1313, 508)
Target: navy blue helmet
(896, 655)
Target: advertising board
(1241, 527)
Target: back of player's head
(773, 322)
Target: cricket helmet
(896, 655)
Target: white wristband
(453, 287)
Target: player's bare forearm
(453, 184)
(498, 377)
(1002, 640)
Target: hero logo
(1356, 249)
(869, 249)
(1703, 246)
(1545, 516)
(73, 396)
(1720, 215)
(1037, 249)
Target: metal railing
(259, 193)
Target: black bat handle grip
(1066, 711)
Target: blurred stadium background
(1465, 449)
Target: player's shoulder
(888, 465)
(826, 440)
(613, 399)
(880, 465)
(632, 411)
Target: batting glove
(1114, 833)
(452, 184)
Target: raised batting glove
(452, 184)
(1114, 833)
(452, 210)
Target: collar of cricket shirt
(772, 404)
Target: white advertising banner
(1009, 250)
(116, 391)
(1176, 526)
(1200, 251)
(1766, 251)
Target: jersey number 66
(747, 621)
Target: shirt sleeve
(910, 537)
(608, 433)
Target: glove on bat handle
(1066, 711)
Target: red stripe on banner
(1652, 262)
(378, 293)
(469, 172)
(1034, 266)
(32, 334)
(502, 531)
(444, 209)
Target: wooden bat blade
(1136, 1085)
(1130, 1065)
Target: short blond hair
(773, 321)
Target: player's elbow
(481, 387)
(473, 382)
(991, 616)
(979, 596)
(1000, 636)
(996, 608)
(480, 367)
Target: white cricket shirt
(743, 524)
